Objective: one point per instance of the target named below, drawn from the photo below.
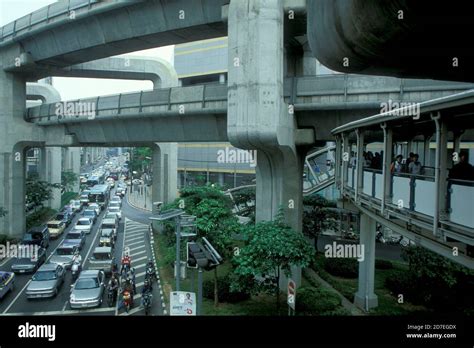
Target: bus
(97, 179)
(100, 194)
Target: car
(46, 282)
(109, 233)
(137, 182)
(116, 199)
(111, 216)
(91, 214)
(96, 207)
(64, 254)
(111, 182)
(29, 263)
(88, 290)
(115, 210)
(84, 199)
(7, 283)
(56, 228)
(65, 217)
(76, 205)
(102, 259)
(75, 237)
(110, 222)
(106, 241)
(119, 192)
(38, 235)
(84, 224)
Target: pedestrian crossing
(136, 244)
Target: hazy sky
(74, 88)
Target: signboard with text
(182, 303)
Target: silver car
(84, 224)
(88, 290)
(46, 282)
(115, 210)
(7, 283)
(102, 259)
(64, 254)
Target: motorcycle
(75, 270)
(150, 273)
(146, 302)
(127, 300)
(111, 295)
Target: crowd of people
(411, 165)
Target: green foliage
(39, 217)
(316, 301)
(3, 212)
(68, 180)
(318, 216)
(271, 246)
(434, 281)
(38, 191)
(224, 290)
(342, 267)
(139, 160)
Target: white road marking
(134, 238)
(70, 312)
(138, 253)
(65, 305)
(139, 242)
(4, 261)
(137, 248)
(28, 283)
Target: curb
(135, 206)
(158, 279)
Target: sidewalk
(140, 198)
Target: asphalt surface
(132, 232)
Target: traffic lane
(22, 304)
(22, 279)
(133, 213)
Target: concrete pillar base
(364, 303)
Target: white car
(84, 224)
(116, 211)
(111, 182)
(76, 205)
(96, 207)
(116, 199)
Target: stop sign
(291, 293)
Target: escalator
(318, 174)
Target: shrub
(223, 291)
(399, 282)
(341, 267)
(316, 301)
(383, 264)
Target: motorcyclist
(77, 259)
(113, 286)
(128, 287)
(126, 262)
(147, 286)
(132, 278)
(151, 265)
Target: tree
(272, 247)
(68, 180)
(140, 158)
(318, 217)
(242, 197)
(214, 219)
(38, 191)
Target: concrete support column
(359, 185)
(53, 175)
(72, 163)
(387, 161)
(165, 172)
(426, 150)
(220, 177)
(365, 297)
(13, 130)
(258, 117)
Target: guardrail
(203, 96)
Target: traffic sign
(291, 294)
(182, 303)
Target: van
(38, 235)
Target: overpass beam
(165, 172)
(365, 297)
